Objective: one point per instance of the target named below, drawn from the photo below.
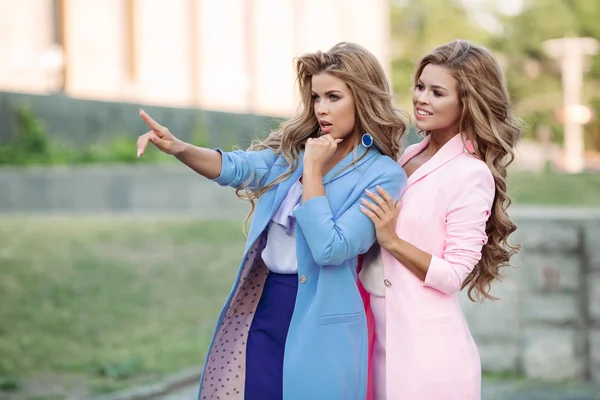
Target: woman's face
(436, 103)
(333, 105)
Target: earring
(367, 140)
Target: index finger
(148, 120)
(386, 196)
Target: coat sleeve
(335, 240)
(248, 169)
(466, 218)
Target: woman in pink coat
(448, 232)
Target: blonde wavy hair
(487, 122)
(373, 98)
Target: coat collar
(361, 154)
(453, 148)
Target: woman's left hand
(384, 214)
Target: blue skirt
(266, 339)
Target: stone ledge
(549, 213)
(551, 354)
(169, 384)
(554, 308)
(595, 355)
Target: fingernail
(139, 153)
(368, 191)
(154, 137)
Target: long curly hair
(373, 98)
(487, 122)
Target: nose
(321, 108)
(422, 97)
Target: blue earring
(367, 140)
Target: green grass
(104, 303)
(555, 189)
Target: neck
(343, 149)
(437, 139)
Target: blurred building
(229, 55)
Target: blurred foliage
(33, 146)
(9, 384)
(420, 25)
(517, 40)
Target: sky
(484, 18)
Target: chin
(421, 126)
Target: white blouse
(279, 254)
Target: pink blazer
(431, 354)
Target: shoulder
(468, 175)
(468, 167)
(386, 173)
(385, 166)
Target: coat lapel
(342, 168)
(413, 151)
(449, 151)
(347, 164)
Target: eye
(333, 97)
(437, 93)
(316, 98)
(419, 86)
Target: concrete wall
(116, 189)
(546, 325)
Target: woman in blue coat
(293, 326)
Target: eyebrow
(435, 86)
(329, 92)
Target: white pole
(571, 53)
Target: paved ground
(512, 390)
(491, 391)
(188, 393)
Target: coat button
(387, 283)
(302, 279)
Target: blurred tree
(420, 25)
(533, 78)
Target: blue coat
(326, 347)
